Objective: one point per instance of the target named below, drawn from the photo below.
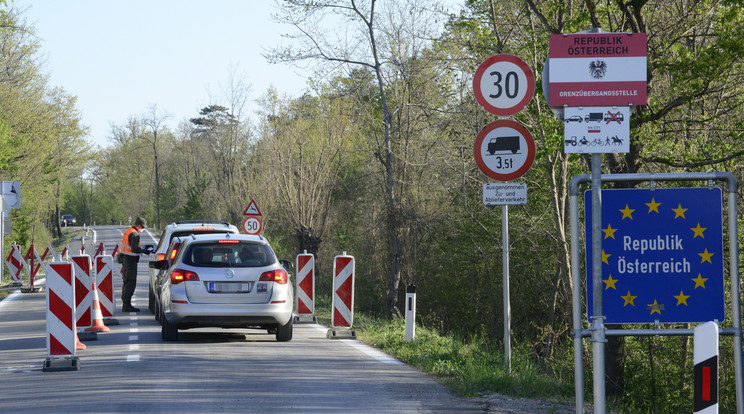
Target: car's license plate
(229, 287)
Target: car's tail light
(174, 251)
(177, 276)
(204, 229)
(161, 256)
(279, 276)
(228, 241)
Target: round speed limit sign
(252, 225)
(504, 84)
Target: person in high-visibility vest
(130, 250)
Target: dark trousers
(129, 278)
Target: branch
(672, 163)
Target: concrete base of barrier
(110, 321)
(61, 364)
(87, 336)
(28, 289)
(305, 319)
(341, 333)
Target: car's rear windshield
(231, 253)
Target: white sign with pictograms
(597, 129)
(503, 84)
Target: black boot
(129, 308)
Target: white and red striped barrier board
(705, 355)
(15, 263)
(105, 284)
(305, 284)
(83, 287)
(343, 291)
(60, 310)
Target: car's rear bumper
(189, 315)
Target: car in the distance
(179, 229)
(67, 220)
(226, 281)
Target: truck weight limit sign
(504, 150)
(504, 84)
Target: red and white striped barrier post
(305, 300)
(33, 268)
(83, 296)
(65, 255)
(705, 356)
(60, 338)
(100, 250)
(15, 264)
(105, 283)
(342, 317)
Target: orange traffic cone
(79, 345)
(97, 325)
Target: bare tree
(311, 19)
(153, 120)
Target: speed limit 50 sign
(504, 84)
(252, 225)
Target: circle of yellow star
(679, 212)
(610, 232)
(705, 256)
(699, 281)
(628, 299)
(653, 206)
(610, 283)
(605, 257)
(698, 231)
(655, 307)
(681, 298)
(627, 212)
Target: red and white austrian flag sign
(597, 69)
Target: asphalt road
(130, 369)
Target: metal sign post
(504, 150)
(598, 328)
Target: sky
(120, 57)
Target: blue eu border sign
(662, 255)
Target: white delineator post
(706, 369)
(305, 289)
(410, 312)
(60, 336)
(342, 316)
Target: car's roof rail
(203, 222)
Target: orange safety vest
(125, 247)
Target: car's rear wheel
(169, 331)
(284, 333)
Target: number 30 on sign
(252, 225)
(503, 84)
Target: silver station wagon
(226, 281)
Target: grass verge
(468, 366)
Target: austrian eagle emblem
(598, 69)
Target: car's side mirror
(159, 264)
(286, 264)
